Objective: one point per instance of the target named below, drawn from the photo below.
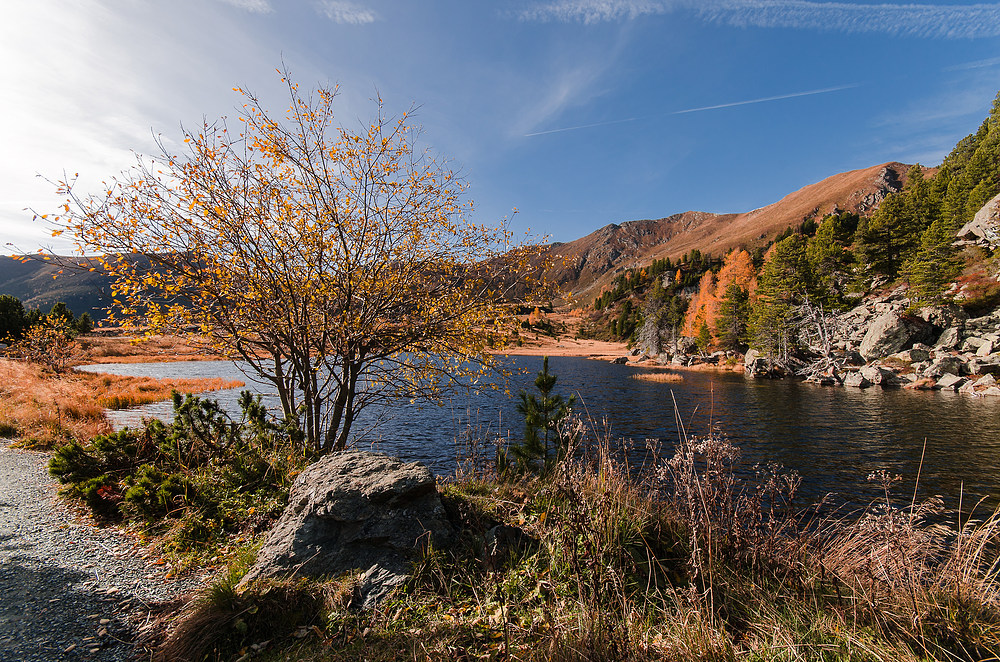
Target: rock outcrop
(892, 332)
(359, 511)
(984, 228)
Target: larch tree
(338, 265)
(701, 305)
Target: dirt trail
(68, 590)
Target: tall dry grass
(43, 410)
(660, 377)
(684, 560)
(127, 349)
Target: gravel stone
(69, 590)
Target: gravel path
(68, 590)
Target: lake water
(833, 437)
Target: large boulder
(892, 332)
(360, 511)
(984, 228)
(950, 339)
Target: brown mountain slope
(40, 282)
(583, 262)
(587, 265)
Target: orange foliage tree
(339, 265)
(737, 269)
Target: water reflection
(834, 437)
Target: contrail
(584, 126)
(779, 97)
(825, 90)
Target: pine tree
(733, 320)
(784, 282)
(889, 237)
(829, 258)
(543, 444)
(704, 337)
(935, 265)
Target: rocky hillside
(587, 265)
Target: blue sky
(576, 112)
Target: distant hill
(587, 265)
(39, 283)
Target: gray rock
(992, 359)
(356, 510)
(952, 382)
(984, 324)
(943, 316)
(984, 228)
(991, 391)
(687, 345)
(878, 376)
(945, 365)
(621, 360)
(912, 355)
(891, 333)
(949, 339)
(985, 381)
(972, 344)
(985, 349)
(857, 380)
(851, 357)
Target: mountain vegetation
(770, 298)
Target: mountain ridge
(582, 267)
(585, 266)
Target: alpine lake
(835, 438)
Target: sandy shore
(590, 349)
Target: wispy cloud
(351, 13)
(904, 20)
(730, 104)
(253, 6)
(596, 11)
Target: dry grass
(662, 377)
(43, 410)
(126, 349)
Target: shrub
(199, 477)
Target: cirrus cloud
(903, 20)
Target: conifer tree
(784, 282)
(542, 445)
(889, 237)
(829, 258)
(733, 319)
(935, 265)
